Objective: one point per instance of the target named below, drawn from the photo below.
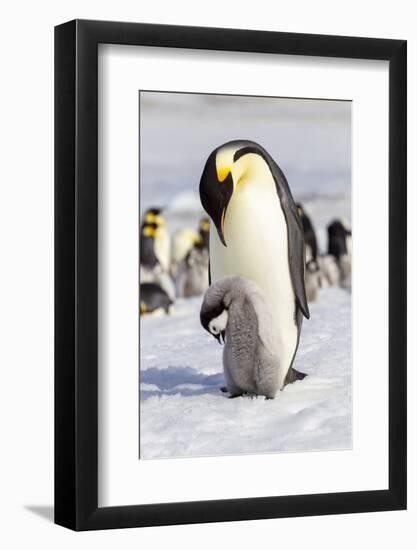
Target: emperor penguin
(192, 275)
(340, 247)
(339, 239)
(313, 280)
(184, 240)
(151, 270)
(204, 232)
(162, 243)
(154, 300)
(258, 235)
(310, 238)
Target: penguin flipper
(296, 253)
(293, 375)
(296, 244)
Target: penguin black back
(309, 233)
(147, 245)
(153, 297)
(204, 231)
(337, 234)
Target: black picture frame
(76, 272)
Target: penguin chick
(235, 309)
(345, 265)
(329, 269)
(312, 277)
(192, 275)
(154, 300)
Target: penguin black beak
(223, 334)
(217, 337)
(215, 195)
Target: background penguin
(235, 310)
(153, 299)
(345, 265)
(340, 247)
(309, 234)
(258, 234)
(162, 242)
(150, 270)
(183, 241)
(338, 236)
(147, 246)
(329, 269)
(192, 275)
(313, 282)
(204, 231)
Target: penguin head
(226, 167)
(217, 326)
(214, 321)
(149, 230)
(312, 266)
(204, 226)
(154, 215)
(337, 234)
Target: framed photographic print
(241, 188)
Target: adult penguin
(162, 241)
(339, 239)
(150, 266)
(309, 233)
(204, 232)
(259, 235)
(148, 256)
(154, 300)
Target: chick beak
(217, 337)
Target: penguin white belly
(163, 248)
(256, 235)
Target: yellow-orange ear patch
(222, 172)
(149, 231)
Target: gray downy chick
(235, 310)
(312, 279)
(192, 275)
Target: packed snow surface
(184, 413)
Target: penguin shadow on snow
(184, 381)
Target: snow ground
(183, 413)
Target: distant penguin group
(169, 270)
(333, 268)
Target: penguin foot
(223, 389)
(293, 375)
(235, 395)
